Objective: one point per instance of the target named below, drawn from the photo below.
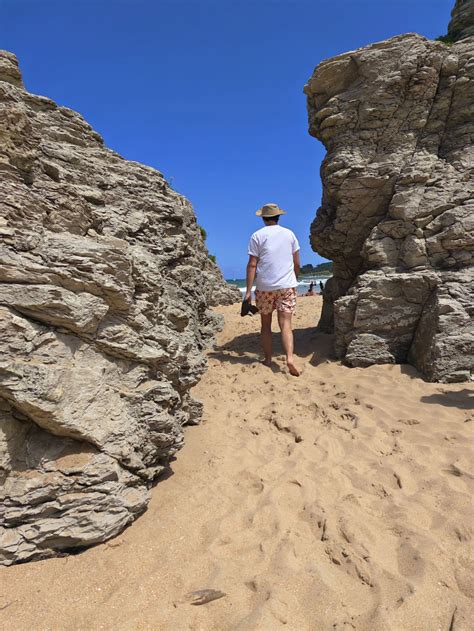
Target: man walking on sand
(275, 259)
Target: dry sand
(336, 500)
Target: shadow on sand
(245, 349)
(463, 399)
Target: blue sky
(210, 92)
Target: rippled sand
(341, 499)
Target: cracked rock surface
(105, 289)
(397, 213)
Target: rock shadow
(410, 371)
(463, 399)
(167, 471)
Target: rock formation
(397, 213)
(462, 20)
(105, 284)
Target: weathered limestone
(462, 20)
(397, 213)
(105, 288)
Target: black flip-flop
(248, 308)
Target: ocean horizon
(302, 287)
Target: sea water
(302, 287)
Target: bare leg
(284, 320)
(266, 337)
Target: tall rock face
(105, 288)
(462, 20)
(397, 213)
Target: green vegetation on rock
(446, 39)
(323, 269)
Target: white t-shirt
(274, 246)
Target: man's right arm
(251, 271)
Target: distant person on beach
(321, 287)
(310, 291)
(274, 259)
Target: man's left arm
(296, 262)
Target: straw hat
(270, 210)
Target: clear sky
(210, 92)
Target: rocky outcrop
(462, 20)
(105, 288)
(397, 213)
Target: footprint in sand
(409, 561)
(286, 429)
(250, 482)
(351, 418)
(409, 421)
(464, 575)
(341, 556)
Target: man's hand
(248, 296)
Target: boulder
(105, 294)
(397, 211)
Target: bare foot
(267, 362)
(293, 369)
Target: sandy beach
(338, 500)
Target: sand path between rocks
(338, 500)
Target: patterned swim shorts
(280, 299)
